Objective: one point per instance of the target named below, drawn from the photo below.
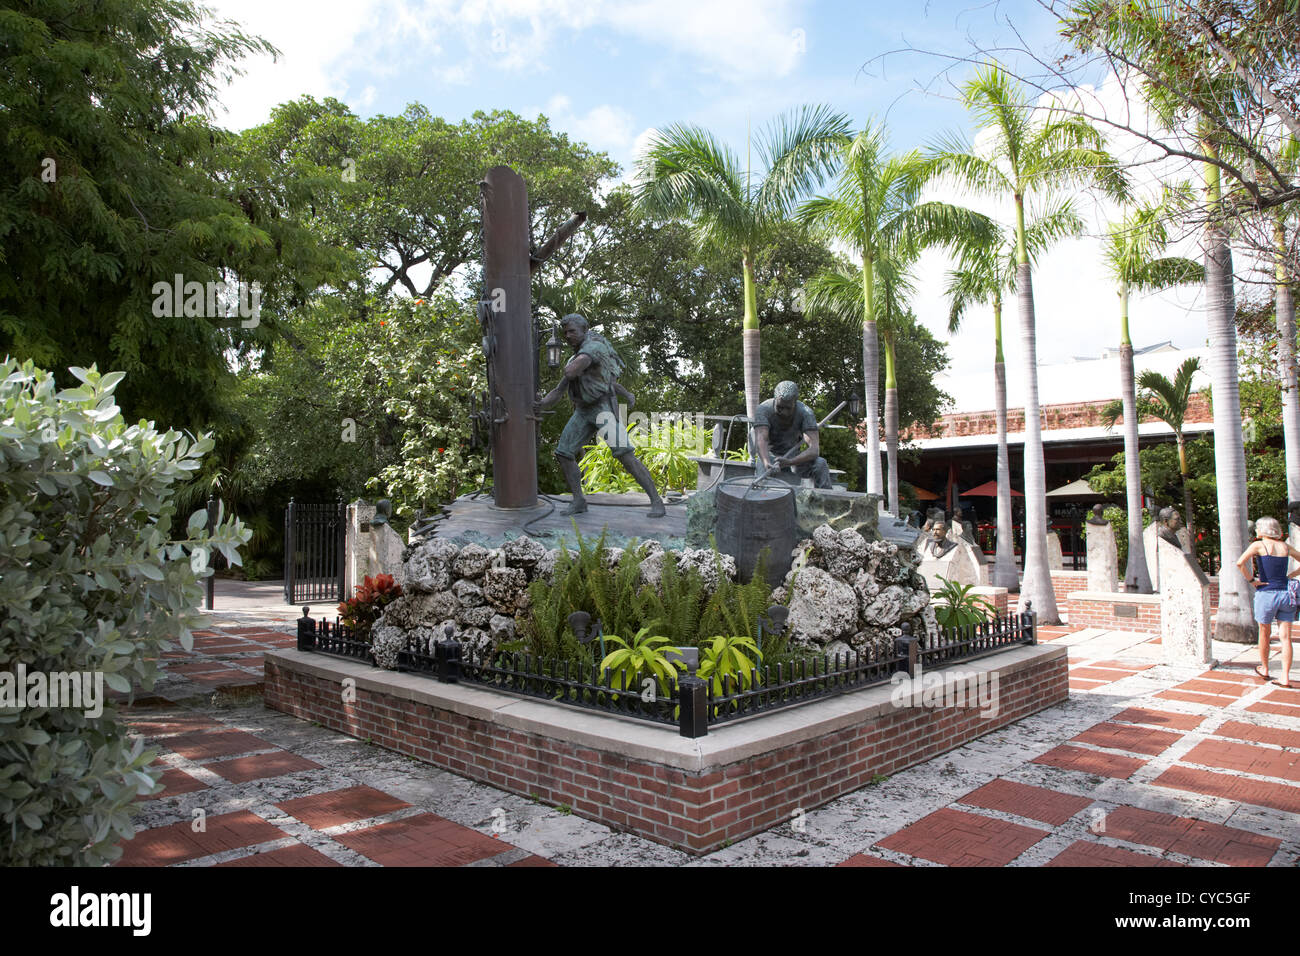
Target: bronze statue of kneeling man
(781, 425)
(591, 378)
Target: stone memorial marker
(1054, 560)
(1103, 558)
(1166, 517)
(963, 531)
(1184, 605)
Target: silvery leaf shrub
(95, 576)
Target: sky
(610, 72)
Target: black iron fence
(1074, 546)
(690, 703)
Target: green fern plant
(734, 608)
(675, 605)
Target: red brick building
(959, 451)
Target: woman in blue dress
(1272, 603)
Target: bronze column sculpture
(505, 312)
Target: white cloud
(312, 43)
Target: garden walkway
(1145, 765)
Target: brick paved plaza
(1145, 765)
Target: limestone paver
(1145, 765)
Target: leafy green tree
(686, 172)
(112, 180)
(98, 575)
(380, 406)
(1030, 157)
(1133, 260)
(401, 192)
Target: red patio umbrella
(987, 490)
(922, 494)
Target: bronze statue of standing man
(591, 378)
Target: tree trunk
(1286, 361)
(1185, 473)
(751, 343)
(1137, 577)
(1036, 588)
(1004, 574)
(871, 375)
(1235, 621)
(891, 446)
(871, 378)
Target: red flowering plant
(373, 594)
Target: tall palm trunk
(1185, 474)
(891, 424)
(1286, 361)
(750, 340)
(1137, 577)
(1235, 620)
(1004, 574)
(1037, 584)
(871, 377)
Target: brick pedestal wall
(1090, 609)
(995, 596)
(693, 794)
(1065, 583)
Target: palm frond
(1111, 412)
(798, 149)
(1167, 273)
(687, 172)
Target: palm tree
(844, 294)
(984, 273)
(1028, 158)
(875, 211)
(1206, 98)
(1130, 253)
(583, 296)
(1235, 620)
(687, 172)
(1167, 401)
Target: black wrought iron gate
(315, 537)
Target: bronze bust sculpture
(938, 543)
(1097, 517)
(1170, 521)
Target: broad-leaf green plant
(735, 657)
(644, 654)
(98, 576)
(955, 607)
